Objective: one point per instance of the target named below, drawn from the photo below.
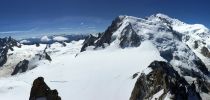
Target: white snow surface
(92, 75)
(157, 95)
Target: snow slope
(92, 75)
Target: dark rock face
(5, 45)
(63, 44)
(163, 76)
(104, 37)
(89, 41)
(3, 56)
(37, 44)
(21, 67)
(40, 90)
(135, 75)
(195, 44)
(203, 85)
(9, 42)
(167, 54)
(201, 66)
(205, 52)
(45, 55)
(129, 37)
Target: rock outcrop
(89, 41)
(21, 67)
(37, 44)
(129, 37)
(105, 37)
(63, 44)
(205, 52)
(3, 56)
(45, 54)
(195, 44)
(164, 77)
(5, 45)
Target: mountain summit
(184, 46)
(157, 57)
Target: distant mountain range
(52, 39)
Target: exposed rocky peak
(45, 54)
(107, 35)
(129, 37)
(21, 67)
(164, 78)
(8, 41)
(89, 41)
(5, 45)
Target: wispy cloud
(11, 32)
(17, 31)
(82, 23)
(65, 28)
(91, 27)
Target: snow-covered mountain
(182, 45)
(157, 57)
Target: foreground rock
(164, 78)
(40, 91)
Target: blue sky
(38, 17)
